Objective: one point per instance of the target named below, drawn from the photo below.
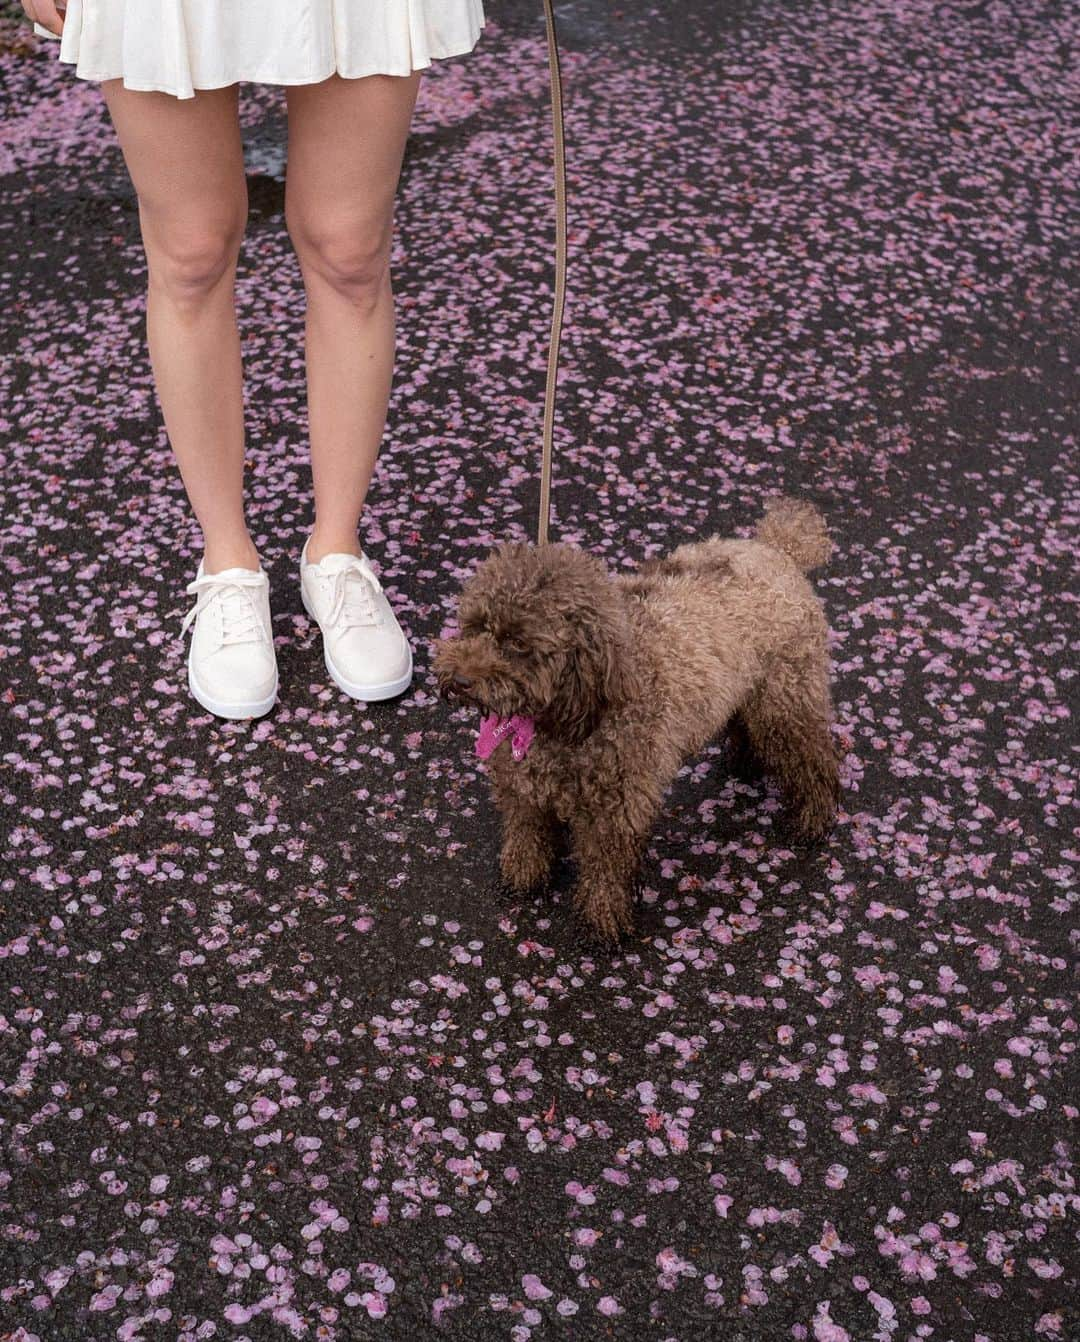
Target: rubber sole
(252, 709)
(369, 694)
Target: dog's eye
(514, 647)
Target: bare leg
(185, 159)
(346, 143)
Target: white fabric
(177, 46)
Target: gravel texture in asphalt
(277, 1058)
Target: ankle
(230, 554)
(321, 545)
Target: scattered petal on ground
(276, 1057)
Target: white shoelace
(240, 621)
(353, 603)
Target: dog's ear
(596, 674)
(609, 646)
(580, 702)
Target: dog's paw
(810, 824)
(606, 913)
(525, 864)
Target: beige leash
(560, 275)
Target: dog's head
(543, 633)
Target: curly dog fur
(626, 676)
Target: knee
(354, 262)
(189, 266)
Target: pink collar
(494, 730)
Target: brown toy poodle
(597, 688)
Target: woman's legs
(185, 159)
(346, 143)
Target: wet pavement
(277, 1058)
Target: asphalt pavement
(277, 1056)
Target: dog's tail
(795, 528)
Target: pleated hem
(421, 56)
(265, 79)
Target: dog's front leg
(607, 848)
(528, 832)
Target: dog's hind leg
(787, 719)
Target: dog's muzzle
(456, 686)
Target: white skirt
(178, 46)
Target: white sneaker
(232, 669)
(365, 650)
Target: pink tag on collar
(494, 730)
